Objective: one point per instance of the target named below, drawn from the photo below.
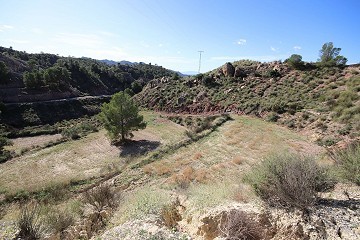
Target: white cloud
(297, 47)
(160, 45)
(273, 49)
(241, 42)
(3, 28)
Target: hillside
(249, 150)
(53, 88)
(39, 77)
(322, 101)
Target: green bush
(290, 181)
(4, 154)
(78, 131)
(295, 61)
(348, 163)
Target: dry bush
(188, 173)
(290, 181)
(100, 197)
(238, 226)
(237, 160)
(170, 215)
(148, 169)
(59, 220)
(29, 222)
(201, 175)
(162, 169)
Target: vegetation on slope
(321, 98)
(80, 76)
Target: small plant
(59, 220)
(29, 222)
(170, 215)
(238, 225)
(290, 181)
(100, 197)
(348, 162)
(272, 117)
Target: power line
(200, 60)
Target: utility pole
(200, 60)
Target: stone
(228, 70)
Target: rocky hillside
(323, 101)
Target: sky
(170, 33)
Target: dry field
(88, 157)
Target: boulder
(239, 72)
(228, 70)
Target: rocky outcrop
(239, 73)
(228, 70)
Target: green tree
(295, 61)
(329, 56)
(33, 79)
(121, 116)
(4, 73)
(55, 76)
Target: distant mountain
(111, 62)
(189, 73)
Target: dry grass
(81, 159)
(197, 156)
(31, 142)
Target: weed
(29, 222)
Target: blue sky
(171, 32)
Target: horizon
(170, 33)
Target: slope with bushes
(38, 77)
(322, 100)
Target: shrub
(59, 220)
(170, 215)
(4, 154)
(289, 180)
(76, 132)
(29, 222)
(348, 162)
(100, 197)
(272, 117)
(238, 225)
(295, 61)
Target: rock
(239, 72)
(228, 70)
